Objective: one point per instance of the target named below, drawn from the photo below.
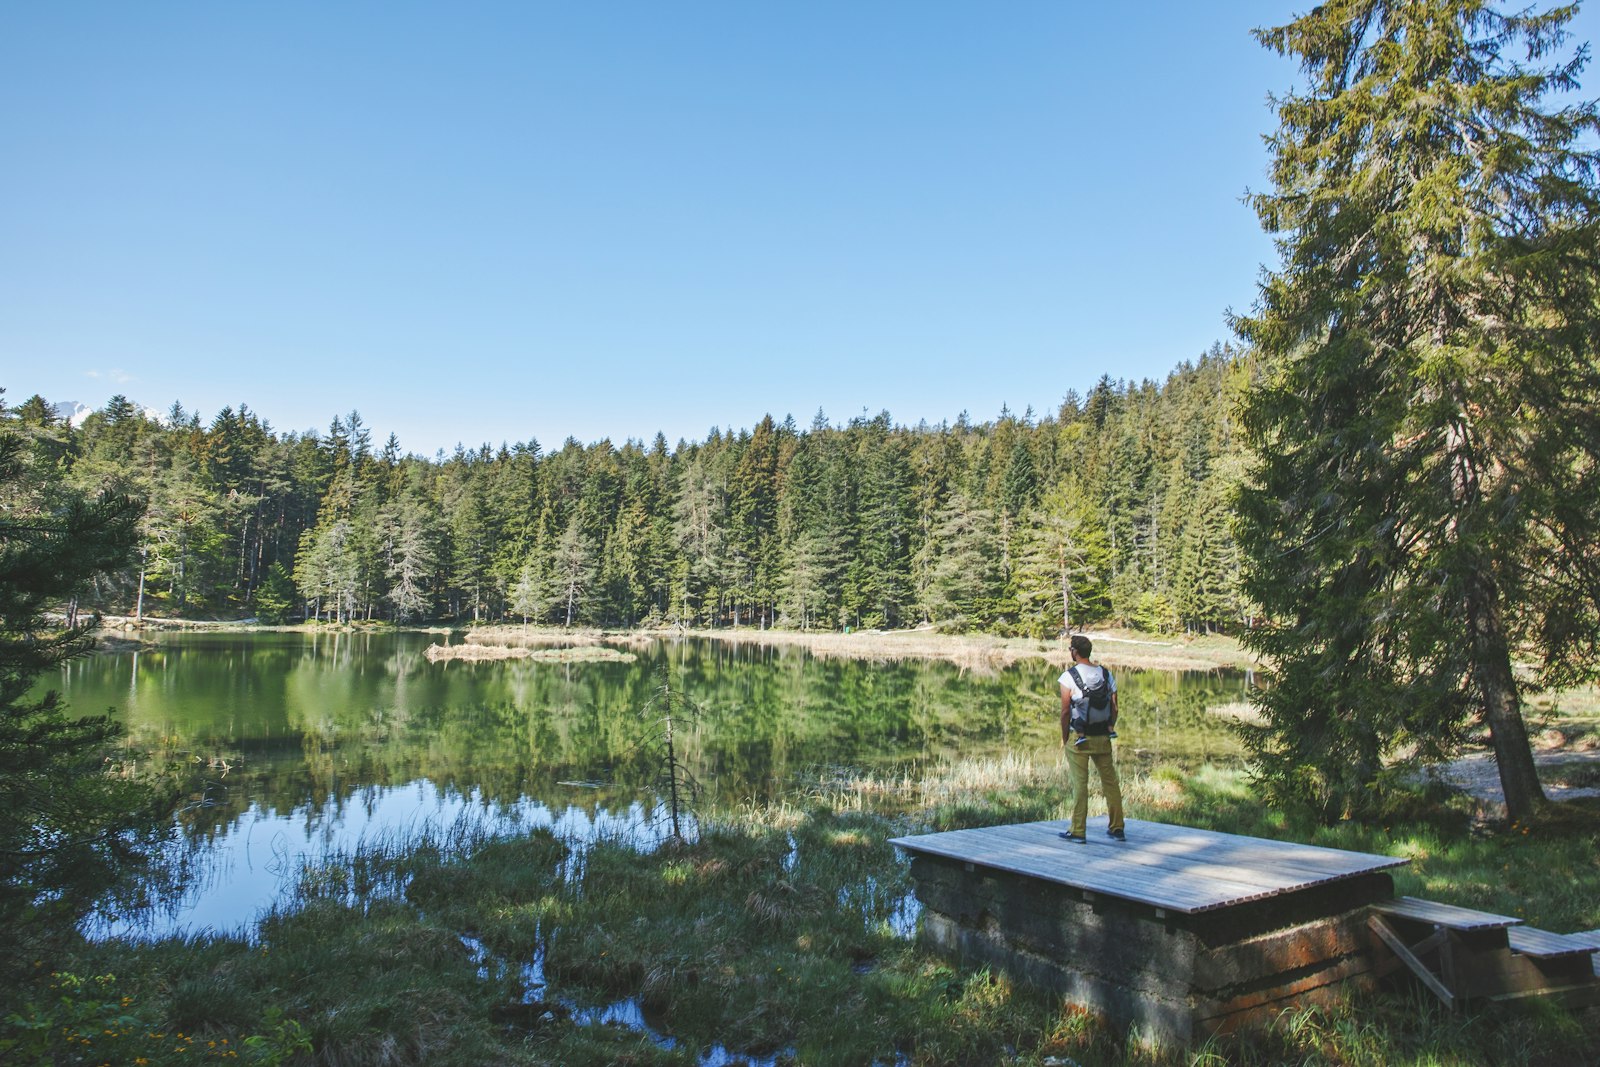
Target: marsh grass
(1015, 787)
(780, 932)
(475, 652)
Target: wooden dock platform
(1178, 932)
(1172, 868)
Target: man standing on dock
(1086, 689)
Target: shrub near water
(92, 1020)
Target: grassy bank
(1117, 648)
(780, 932)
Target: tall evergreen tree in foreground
(62, 818)
(1424, 508)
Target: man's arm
(1113, 722)
(1066, 715)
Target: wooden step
(1590, 937)
(1446, 915)
(1531, 941)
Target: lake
(312, 743)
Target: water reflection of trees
(308, 721)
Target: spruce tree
(1423, 508)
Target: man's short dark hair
(1081, 645)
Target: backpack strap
(1076, 677)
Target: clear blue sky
(491, 222)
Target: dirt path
(1477, 775)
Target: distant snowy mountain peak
(72, 412)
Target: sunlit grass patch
(1577, 775)
(1579, 706)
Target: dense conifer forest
(1111, 509)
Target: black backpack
(1098, 695)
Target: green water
(319, 741)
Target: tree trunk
(244, 559)
(181, 587)
(1066, 595)
(1502, 707)
(1491, 650)
(138, 605)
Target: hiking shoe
(1116, 835)
(1076, 839)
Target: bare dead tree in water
(677, 781)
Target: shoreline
(1115, 648)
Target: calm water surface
(318, 742)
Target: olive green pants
(1097, 749)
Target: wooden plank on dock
(1179, 868)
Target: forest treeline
(1112, 509)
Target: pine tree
(573, 569)
(880, 578)
(701, 532)
(412, 559)
(472, 539)
(62, 819)
(275, 600)
(1064, 566)
(623, 563)
(964, 573)
(183, 543)
(753, 516)
(1424, 501)
(1020, 486)
(527, 594)
(327, 571)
